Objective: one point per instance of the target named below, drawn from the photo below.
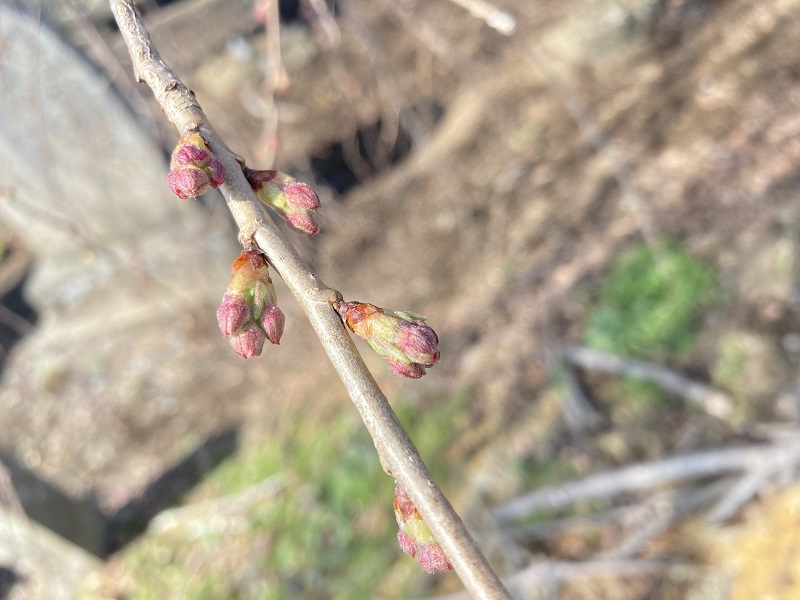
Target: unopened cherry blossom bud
(405, 369)
(233, 313)
(193, 168)
(300, 195)
(303, 221)
(249, 314)
(294, 201)
(248, 341)
(187, 183)
(414, 536)
(401, 338)
(272, 321)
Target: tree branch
(714, 402)
(643, 476)
(398, 455)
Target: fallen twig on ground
(644, 476)
(712, 401)
(754, 480)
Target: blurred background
(594, 202)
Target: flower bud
(301, 195)
(303, 221)
(233, 313)
(418, 342)
(401, 338)
(414, 536)
(249, 341)
(249, 314)
(294, 201)
(193, 168)
(187, 183)
(404, 369)
(272, 321)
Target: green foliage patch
(329, 533)
(651, 303)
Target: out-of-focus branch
(711, 400)
(398, 455)
(648, 475)
(268, 140)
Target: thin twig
(396, 451)
(644, 476)
(711, 400)
(750, 484)
(267, 144)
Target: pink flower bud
(233, 313)
(401, 338)
(414, 536)
(248, 342)
(272, 321)
(301, 195)
(419, 342)
(303, 222)
(295, 202)
(216, 172)
(193, 168)
(186, 155)
(405, 369)
(187, 183)
(249, 314)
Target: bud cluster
(249, 314)
(294, 201)
(414, 536)
(400, 338)
(193, 168)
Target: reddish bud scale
(407, 370)
(301, 195)
(193, 168)
(272, 322)
(402, 339)
(249, 314)
(248, 342)
(414, 536)
(419, 342)
(233, 313)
